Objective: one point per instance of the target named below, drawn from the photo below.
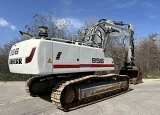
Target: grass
(155, 74)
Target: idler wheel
(68, 95)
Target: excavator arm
(104, 30)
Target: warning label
(49, 60)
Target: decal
(30, 57)
(14, 51)
(97, 60)
(58, 55)
(57, 66)
(49, 60)
(15, 61)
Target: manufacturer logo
(15, 61)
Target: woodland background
(147, 49)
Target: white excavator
(66, 68)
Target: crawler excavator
(65, 68)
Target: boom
(99, 34)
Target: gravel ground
(143, 99)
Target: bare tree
(56, 28)
(4, 53)
(116, 49)
(147, 54)
(83, 30)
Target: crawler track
(40, 85)
(57, 95)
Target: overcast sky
(142, 14)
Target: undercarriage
(72, 93)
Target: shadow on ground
(46, 98)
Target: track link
(40, 85)
(57, 92)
